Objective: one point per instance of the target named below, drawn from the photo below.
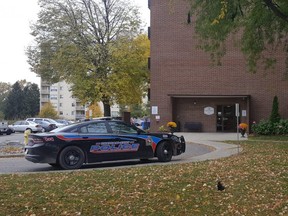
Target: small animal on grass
(220, 186)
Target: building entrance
(226, 119)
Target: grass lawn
(256, 183)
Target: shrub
(275, 116)
(267, 127)
(281, 128)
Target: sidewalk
(216, 141)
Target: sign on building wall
(208, 110)
(154, 110)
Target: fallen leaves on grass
(255, 181)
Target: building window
(73, 105)
(61, 96)
(60, 104)
(60, 112)
(53, 89)
(61, 88)
(53, 97)
(72, 113)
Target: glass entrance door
(226, 119)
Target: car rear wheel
(71, 157)
(164, 152)
(29, 130)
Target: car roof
(89, 122)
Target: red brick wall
(177, 67)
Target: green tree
(139, 111)
(31, 95)
(23, 100)
(14, 105)
(48, 111)
(275, 116)
(75, 41)
(262, 26)
(5, 88)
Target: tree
(48, 111)
(23, 100)
(75, 42)
(31, 95)
(275, 116)
(14, 105)
(96, 111)
(262, 26)
(139, 111)
(5, 88)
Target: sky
(15, 20)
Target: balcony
(44, 100)
(46, 92)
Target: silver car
(51, 121)
(21, 126)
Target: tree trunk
(107, 110)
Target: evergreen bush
(275, 116)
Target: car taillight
(34, 140)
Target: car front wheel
(71, 157)
(164, 152)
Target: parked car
(21, 126)
(93, 141)
(62, 121)
(47, 126)
(4, 128)
(52, 121)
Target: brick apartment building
(188, 89)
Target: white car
(51, 121)
(21, 126)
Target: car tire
(71, 157)
(164, 152)
(9, 131)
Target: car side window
(99, 127)
(120, 127)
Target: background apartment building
(60, 96)
(67, 106)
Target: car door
(16, 126)
(93, 136)
(23, 126)
(128, 134)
